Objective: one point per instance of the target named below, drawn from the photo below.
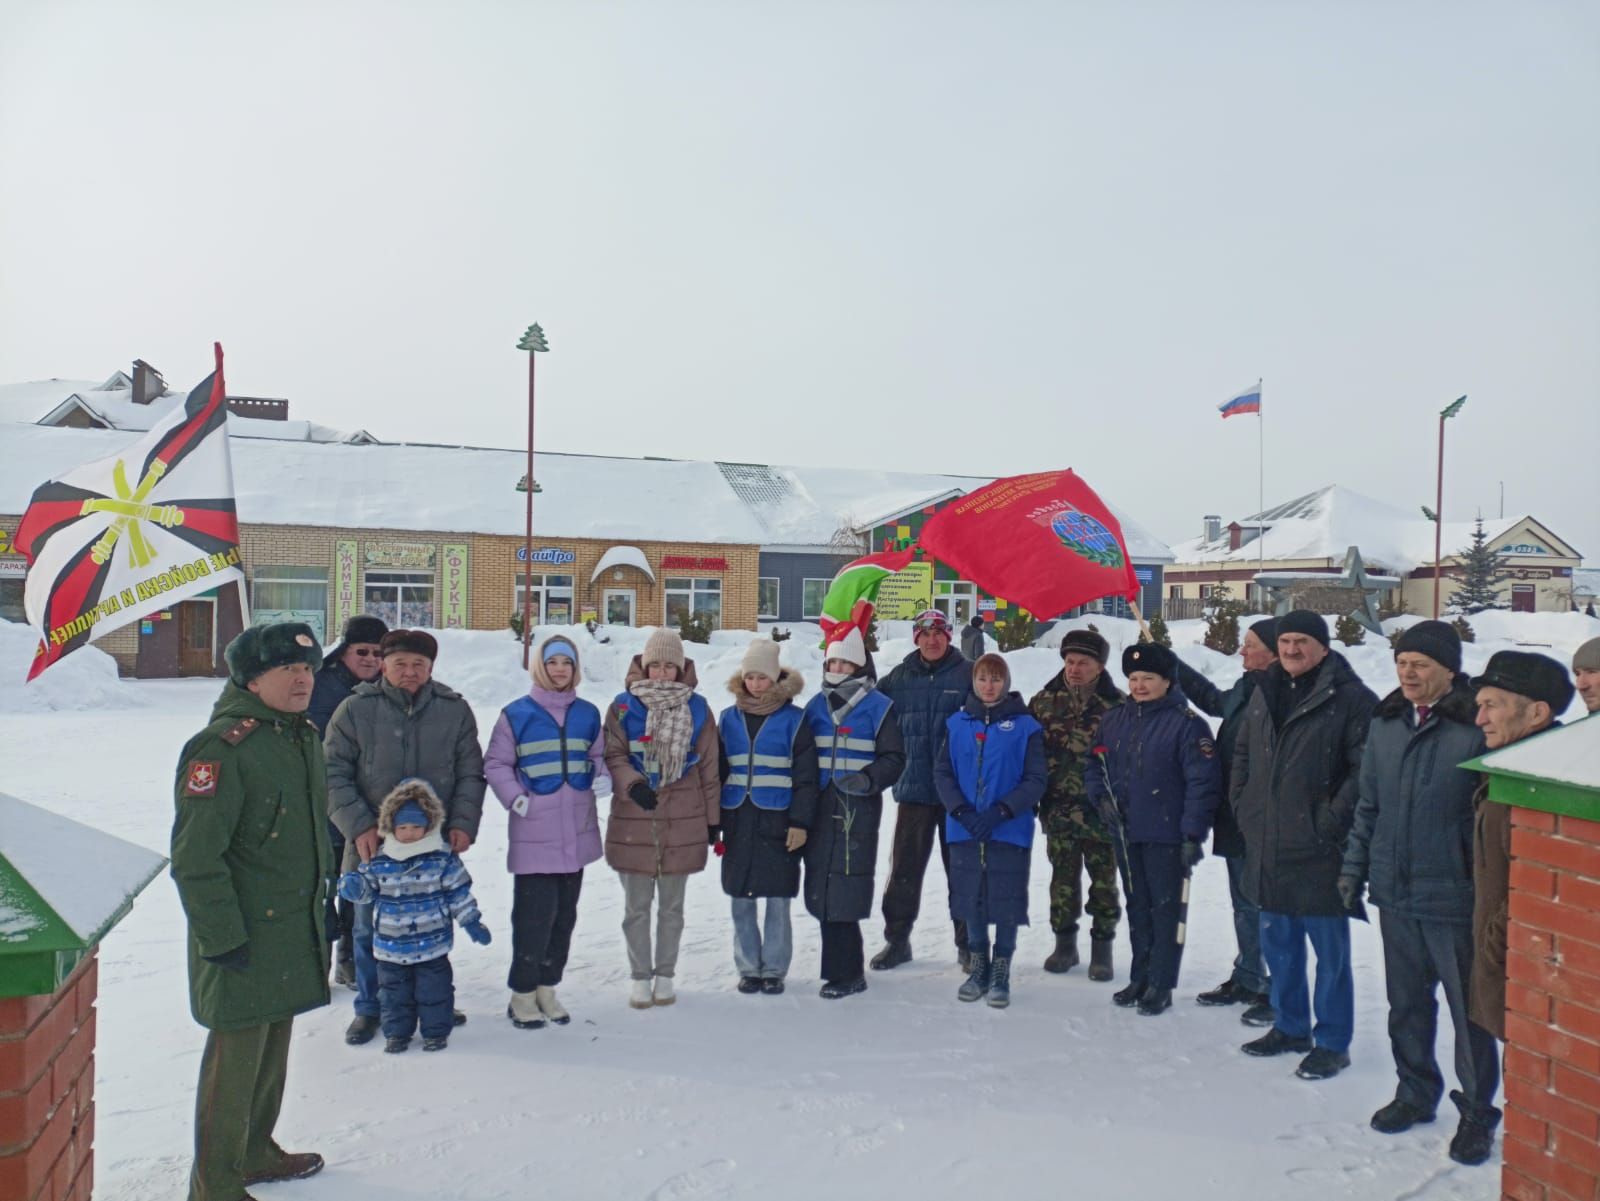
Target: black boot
(362, 1029)
(1000, 982)
(1155, 1000)
(894, 953)
(1474, 1139)
(1065, 957)
(1128, 997)
(1100, 959)
(977, 983)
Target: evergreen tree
(1159, 634)
(1483, 573)
(1015, 630)
(1222, 620)
(1464, 628)
(1349, 631)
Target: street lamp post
(1449, 411)
(533, 342)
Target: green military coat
(252, 861)
(1071, 724)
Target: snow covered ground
(902, 1091)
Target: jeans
(417, 993)
(1417, 958)
(1005, 939)
(762, 950)
(366, 1003)
(1283, 943)
(544, 909)
(1249, 972)
(915, 828)
(639, 892)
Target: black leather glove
(854, 783)
(642, 795)
(965, 816)
(713, 835)
(1350, 889)
(983, 821)
(236, 960)
(1193, 852)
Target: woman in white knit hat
(666, 801)
(859, 754)
(769, 800)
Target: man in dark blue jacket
(1248, 985)
(355, 660)
(926, 687)
(1157, 780)
(1412, 843)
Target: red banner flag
(1044, 541)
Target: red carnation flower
(1099, 750)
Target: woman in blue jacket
(1156, 783)
(990, 776)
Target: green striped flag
(854, 590)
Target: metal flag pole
(1261, 486)
(533, 341)
(1449, 411)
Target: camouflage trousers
(1070, 853)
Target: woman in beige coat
(661, 749)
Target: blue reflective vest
(852, 746)
(548, 753)
(632, 714)
(988, 768)
(763, 772)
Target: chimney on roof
(1213, 527)
(147, 383)
(1235, 531)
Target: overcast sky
(982, 237)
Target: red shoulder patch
(202, 779)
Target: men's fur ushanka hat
(261, 648)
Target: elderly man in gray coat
(1412, 843)
(404, 724)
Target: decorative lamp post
(533, 342)
(1449, 411)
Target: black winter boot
(362, 1029)
(1155, 1000)
(1100, 959)
(1000, 983)
(1065, 957)
(1474, 1138)
(976, 985)
(892, 956)
(1127, 998)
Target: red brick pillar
(1552, 1078)
(47, 1091)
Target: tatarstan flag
(855, 589)
(121, 537)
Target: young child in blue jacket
(1156, 781)
(420, 888)
(990, 775)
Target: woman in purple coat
(543, 758)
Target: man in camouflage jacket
(1070, 707)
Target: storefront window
(552, 599)
(812, 592)
(400, 598)
(767, 596)
(694, 596)
(11, 599)
(291, 594)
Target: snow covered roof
(30, 401)
(45, 876)
(1326, 523)
(623, 556)
(1567, 755)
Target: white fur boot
(550, 1007)
(639, 995)
(663, 991)
(524, 1011)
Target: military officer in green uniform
(252, 862)
(1069, 708)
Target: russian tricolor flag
(1248, 401)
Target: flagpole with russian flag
(1249, 401)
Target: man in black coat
(354, 661)
(1412, 840)
(1258, 651)
(926, 687)
(1293, 789)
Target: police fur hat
(261, 648)
(413, 791)
(1537, 677)
(363, 627)
(1085, 642)
(1149, 656)
(410, 642)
